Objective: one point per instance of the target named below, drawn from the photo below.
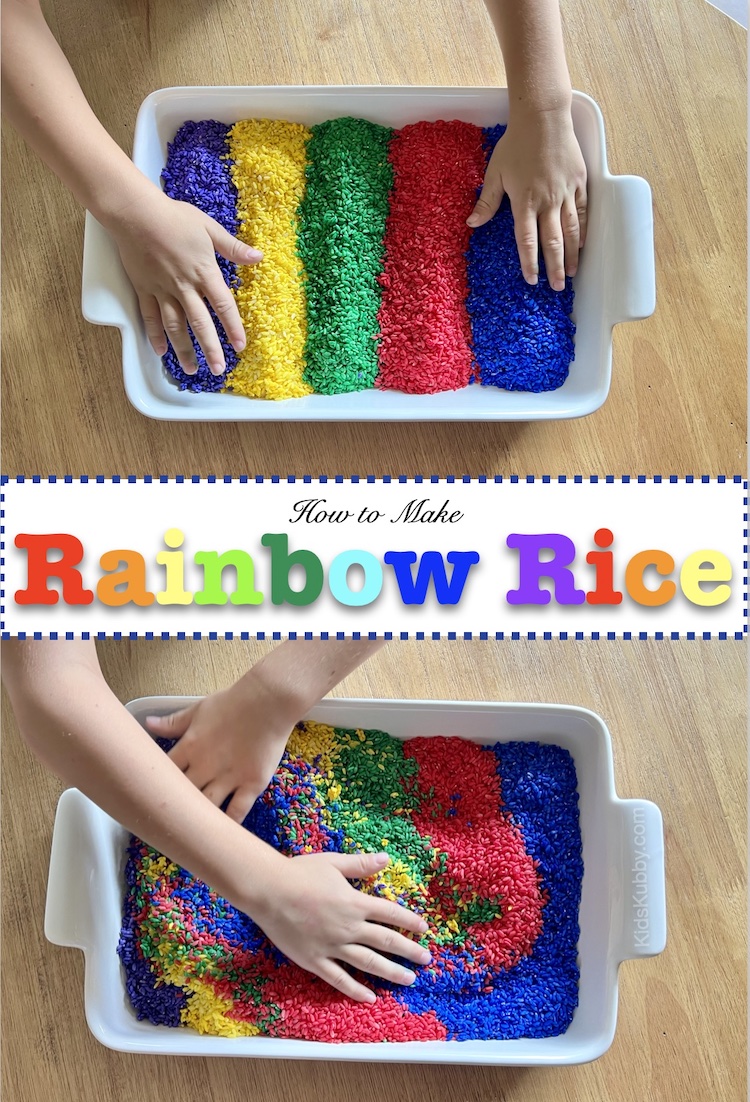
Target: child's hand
(539, 165)
(233, 741)
(318, 920)
(227, 743)
(167, 249)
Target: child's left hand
(539, 165)
(227, 743)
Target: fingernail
(472, 220)
(426, 956)
(409, 976)
(383, 857)
(532, 279)
(216, 368)
(423, 926)
(239, 345)
(371, 997)
(153, 719)
(558, 285)
(190, 369)
(252, 256)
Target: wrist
(265, 691)
(550, 110)
(282, 685)
(114, 203)
(252, 883)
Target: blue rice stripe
(522, 336)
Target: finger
(241, 804)
(175, 326)
(151, 315)
(571, 236)
(490, 198)
(367, 960)
(582, 206)
(340, 979)
(198, 774)
(217, 790)
(551, 240)
(231, 248)
(392, 914)
(173, 725)
(225, 308)
(527, 240)
(204, 331)
(386, 940)
(358, 866)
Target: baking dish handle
(105, 288)
(630, 245)
(643, 930)
(67, 918)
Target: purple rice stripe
(198, 171)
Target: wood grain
(676, 714)
(670, 79)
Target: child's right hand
(539, 165)
(319, 920)
(168, 251)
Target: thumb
(358, 866)
(231, 248)
(488, 203)
(171, 726)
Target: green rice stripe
(342, 225)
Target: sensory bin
(484, 843)
(370, 276)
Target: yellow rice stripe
(269, 173)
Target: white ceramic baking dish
(615, 281)
(622, 913)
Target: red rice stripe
(425, 335)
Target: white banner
(432, 556)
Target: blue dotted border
(369, 479)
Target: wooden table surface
(675, 711)
(670, 79)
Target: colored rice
(484, 843)
(522, 335)
(425, 343)
(370, 275)
(268, 170)
(342, 223)
(198, 171)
